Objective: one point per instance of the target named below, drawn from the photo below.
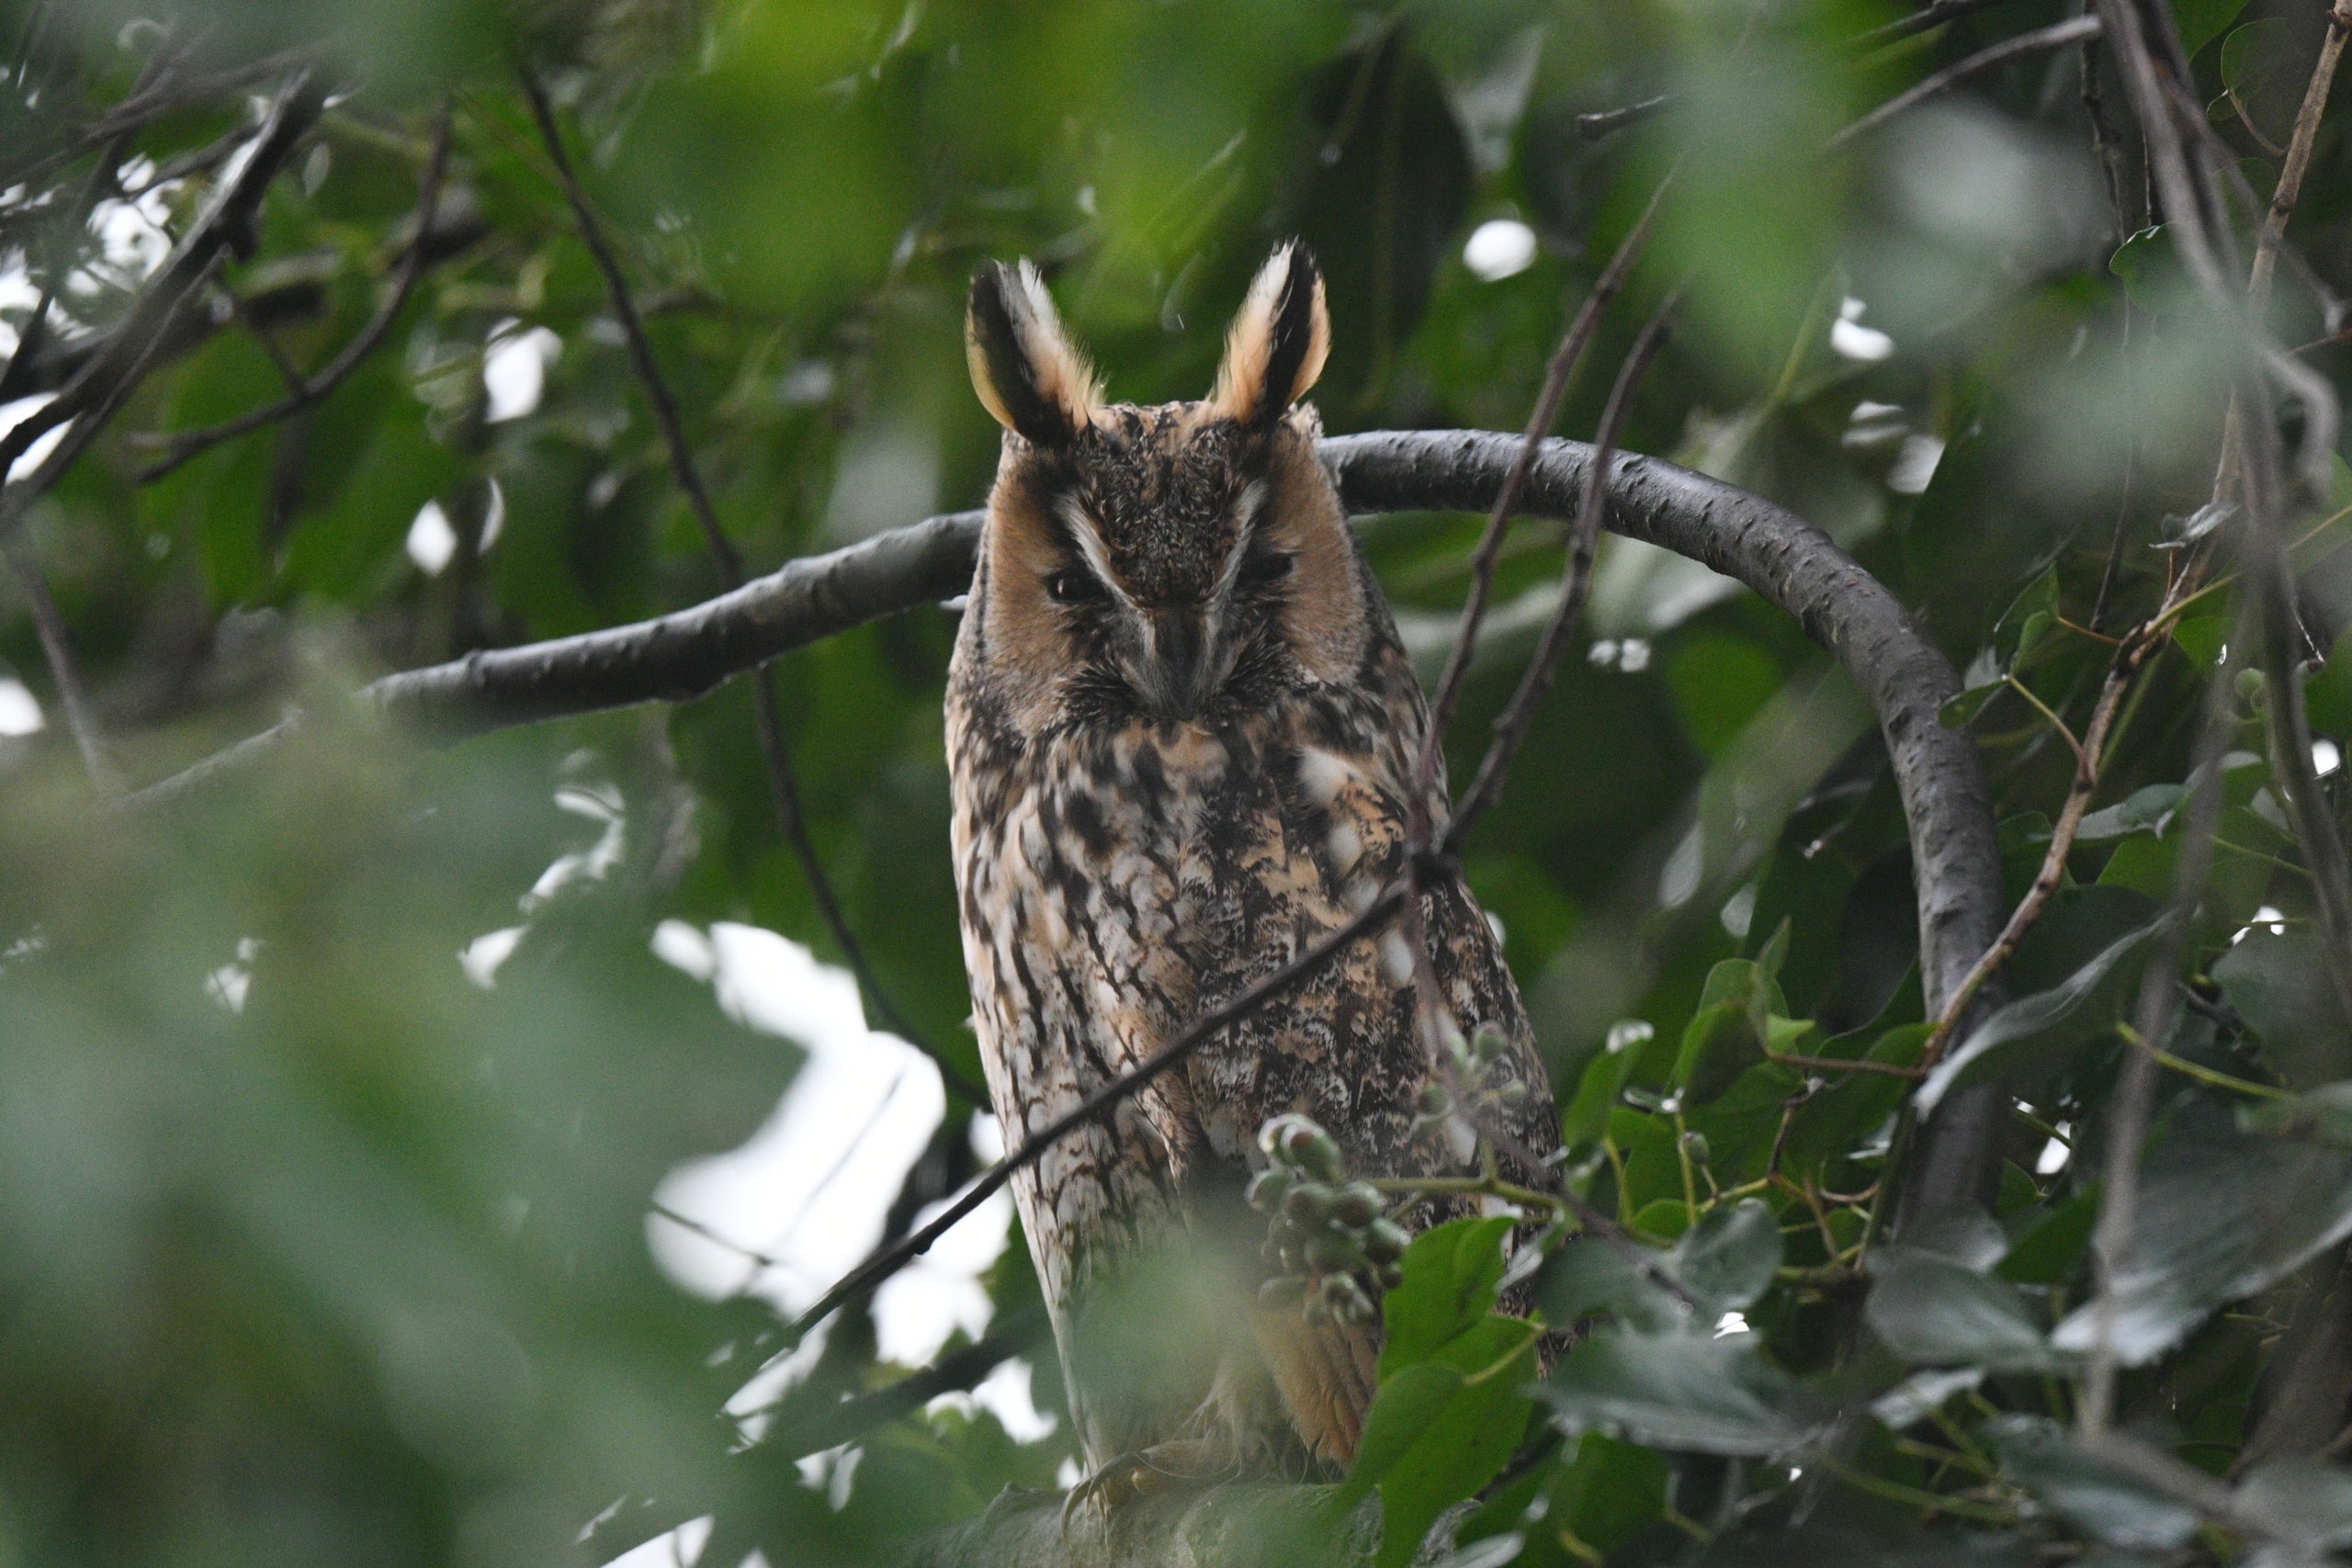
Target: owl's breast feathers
(1116, 882)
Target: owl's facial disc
(1174, 638)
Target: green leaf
(1587, 1276)
(2097, 1498)
(1604, 1079)
(1727, 1260)
(2301, 1500)
(2277, 982)
(2220, 1217)
(1933, 1312)
(1686, 1392)
(2264, 72)
(2146, 810)
(2322, 1115)
(1450, 1274)
(2328, 695)
(2202, 638)
(1440, 1430)
(2202, 21)
(2036, 1031)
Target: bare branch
(2041, 40)
(309, 390)
(1510, 730)
(1562, 365)
(1925, 18)
(2299, 150)
(2130, 655)
(889, 1260)
(226, 224)
(49, 627)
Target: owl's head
(1178, 562)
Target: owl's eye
(1271, 567)
(1073, 585)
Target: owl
(1185, 742)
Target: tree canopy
(1975, 567)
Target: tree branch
(2041, 40)
(307, 390)
(226, 225)
(682, 655)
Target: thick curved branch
(1785, 559)
(1791, 564)
(678, 656)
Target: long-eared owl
(1184, 738)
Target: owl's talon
(1145, 1473)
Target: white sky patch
(432, 543)
(132, 234)
(482, 957)
(671, 1549)
(809, 1189)
(1851, 339)
(228, 984)
(2269, 917)
(514, 369)
(2325, 757)
(16, 413)
(16, 293)
(1501, 248)
(494, 517)
(20, 709)
(2054, 1154)
(1730, 1322)
(1915, 465)
(1004, 1393)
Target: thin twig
(2134, 1097)
(2041, 40)
(96, 391)
(2273, 236)
(889, 1260)
(1562, 365)
(1510, 730)
(2089, 757)
(1608, 122)
(783, 779)
(308, 391)
(1926, 18)
(49, 627)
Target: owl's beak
(1181, 667)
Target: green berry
(1357, 1205)
(1383, 1241)
(1307, 1205)
(1489, 1042)
(1391, 1275)
(1694, 1145)
(1435, 1101)
(1333, 1252)
(1266, 1189)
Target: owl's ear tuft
(1023, 366)
(1278, 343)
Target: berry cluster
(1476, 1066)
(1333, 1243)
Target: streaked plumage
(1183, 734)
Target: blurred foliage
(313, 1251)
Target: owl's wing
(1326, 832)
